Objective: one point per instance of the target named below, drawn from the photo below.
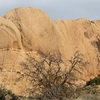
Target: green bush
(7, 95)
(95, 81)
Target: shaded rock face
(29, 29)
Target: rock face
(29, 29)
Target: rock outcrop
(29, 29)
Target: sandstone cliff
(24, 30)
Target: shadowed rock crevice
(98, 44)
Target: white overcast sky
(57, 9)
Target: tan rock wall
(29, 29)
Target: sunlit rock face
(29, 30)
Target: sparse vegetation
(7, 95)
(95, 81)
(88, 93)
(49, 81)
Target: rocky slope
(28, 30)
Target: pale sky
(57, 9)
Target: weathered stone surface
(29, 29)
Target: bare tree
(47, 77)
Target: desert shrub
(91, 92)
(95, 81)
(2, 94)
(49, 81)
(7, 94)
